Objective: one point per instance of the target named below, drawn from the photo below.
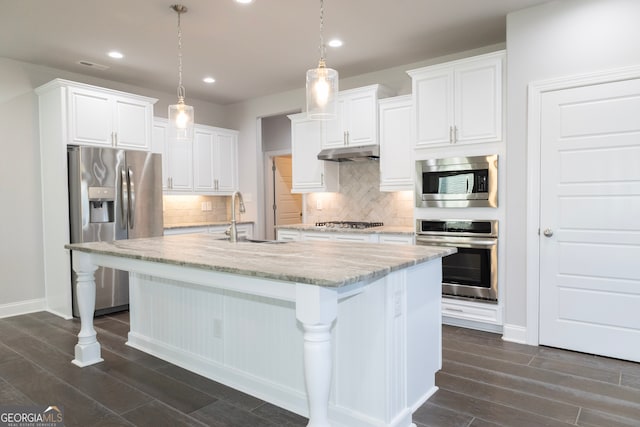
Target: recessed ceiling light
(335, 43)
(115, 54)
(244, 1)
(209, 80)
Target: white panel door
(590, 219)
(288, 206)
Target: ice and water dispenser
(101, 204)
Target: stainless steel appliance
(113, 195)
(348, 224)
(457, 182)
(350, 154)
(472, 272)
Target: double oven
(461, 182)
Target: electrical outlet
(319, 204)
(397, 303)
(203, 206)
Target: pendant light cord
(322, 47)
(181, 91)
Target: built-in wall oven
(472, 272)
(457, 182)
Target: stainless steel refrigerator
(113, 195)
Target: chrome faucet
(233, 230)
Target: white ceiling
(252, 50)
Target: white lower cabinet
(288, 235)
(305, 235)
(472, 314)
(400, 239)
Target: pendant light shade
(180, 114)
(322, 85)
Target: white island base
(363, 354)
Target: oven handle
(476, 244)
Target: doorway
(280, 206)
(589, 203)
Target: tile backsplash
(188, 209)
(360, 199)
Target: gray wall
(21, 253)
(559, 38)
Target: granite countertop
(203, 224)
(330, 264)
(390, 229)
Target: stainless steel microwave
(457, 182)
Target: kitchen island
(347, 334)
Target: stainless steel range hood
(350, 154)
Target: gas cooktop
(348, 224)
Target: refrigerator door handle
(132, 196)
(124, 199)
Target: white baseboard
(515, 333)
(22, 307)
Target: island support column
(87, 351)
(316, 309)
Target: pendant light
(322, 84)
(180, 114)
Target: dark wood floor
(484, 382)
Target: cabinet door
(397, 239)
(361, 115)
(288, 235)
(132, 120)
(179, 166)
(90, 117)
(226, 162)
(203, 155)
(478, 101)
(315, 236)
(335, 129)
(433, 94)
(396, 145)
(307, 170)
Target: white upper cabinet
(103, 117)
(177, 159)
(396, 144)
(357, 121)
(459, 102)
(310, 174)
(215, 160)
(209, 165)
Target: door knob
(548, 232)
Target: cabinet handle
(344, 137)
(455, 134)
(450, 134)
(113, 138)
(321, 179)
